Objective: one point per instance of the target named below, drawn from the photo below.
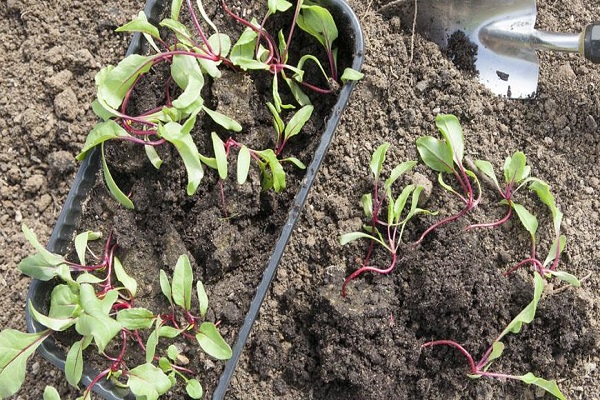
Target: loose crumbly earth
(309, 341)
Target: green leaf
(81, 241)
(243, 164)
(169, 332)
(398, 171)
(297, 122)
(86, 277)
(148, 381)
(299, 95)
(172, 352)
(202, 298)
(278, 123)
(74, 363)
(223, 120)
(50, 258)
(452, 132)
(128, 282)
(349, 237)
(277, 175)
(377, 159)
(191, 94)
(278, 5)
(152, 342)
(220, 155)
(318, 22)
(37, 267)
(140, 24)
(182, 282)
(194, 389)
(488, 170)
(400, 202)
(15, 349)
(299, 164)
(212, 343)
(528, 313)
(367, 204)
(102, 132)
(436, 154)
(64, 302)
(112, 185)
(175, 9)
(549, 386)
(552, 254)
(165, 286)
(114, 82)
(528, 220)
(94, 321)
(56, 324)
(516, 168)
(180, 30)
(565, 277)
(153, 156)
(135, 318)
(179, 136)
(542, 189)
(50, 393)
(350, 74)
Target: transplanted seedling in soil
(194, 58)
(391, 224)
(97, 303)
(481, 368)
(446, 157)
(516, 175)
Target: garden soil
(309, 341)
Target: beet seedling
(98, 303)
(392, 224)
(516, 176)
(446, 157)
(195, 57)
(481, 368)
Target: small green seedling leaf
(81, 242)
(352, 236)
(367, 203)
(565, 277)
(436, 154)
(220, 155)
(64, 302)
(74, 363)
(528, 313)
(226, 122)
(528, 220)
(148, 381)
(128, 282)
(114, 82)
(278, 5)
(297, 122)
(194, 389)
(37, 267)
(153, 156)
(350, 74)
(452, 132)
(299, 164)
(152, 341)
(488, 170)
(15, 349)
(377, 160)
(243, 164)
(182, 283)
(179, 136)
(516, 168)
(49, 258)
(141, 24)
(318, 22)
(549, 386)
(553, 254)
(135, 318)
(202, 299)
(100, 133)
(172, 352)
(50, 393)
(212, 342)
(94, 321)
(398, 171)
(112, 185)
(165, 286)
(497, 350)
(56, 324)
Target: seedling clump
(195, 54)
(97, 301)
(446, 157)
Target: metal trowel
(505, 38)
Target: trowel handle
(590, 43)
